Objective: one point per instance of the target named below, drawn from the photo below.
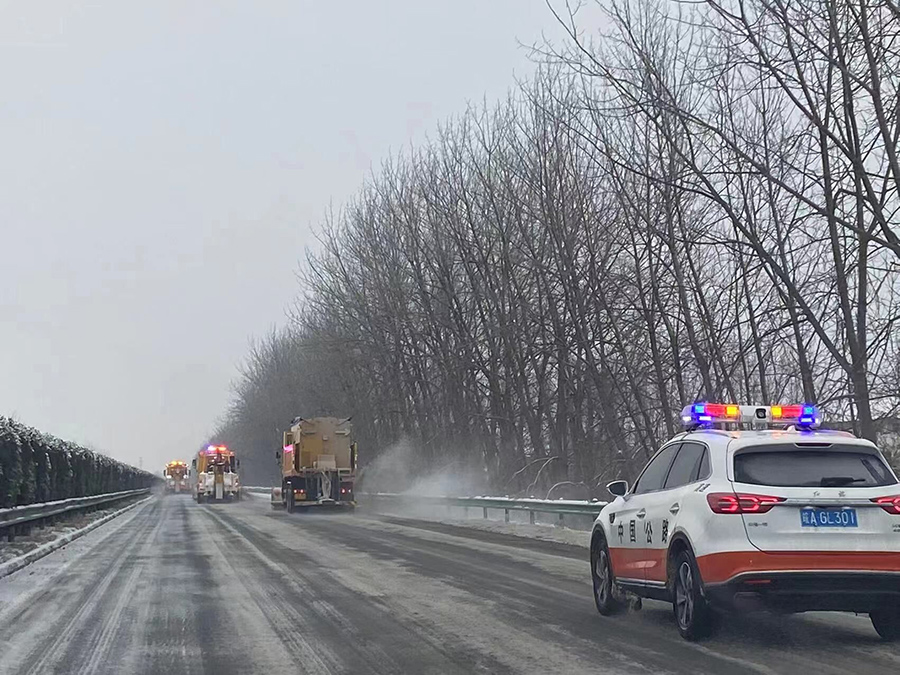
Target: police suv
(754, 507)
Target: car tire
(693, 615)
(289, 497)
(603, 579)
(886, 623)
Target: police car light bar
(699, 415)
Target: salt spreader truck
(318, 465)
(216, 475)
(176, 475)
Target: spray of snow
(398, 470)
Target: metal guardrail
(20, 519)
(561, 507)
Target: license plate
(828, 518)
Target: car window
(791, 466)
(684, 468)
(703, 470)
(655, 472)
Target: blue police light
(808, 418)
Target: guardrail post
(506, 515)
(562, 519)
(485, 513)
(466, 512)
(531, 517)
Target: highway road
(176, 587)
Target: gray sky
(162, 164)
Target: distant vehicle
(318, 465)
(176, 475)
(215, 476)
(792, 520)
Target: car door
(686, 472)
(627, 543)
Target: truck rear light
(729, 502)
(889, 504)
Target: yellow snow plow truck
(318, 465)
(215, 475)
(176, 475)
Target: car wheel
(886, 623)
(692, 612)
(604, 581)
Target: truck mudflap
(277, 498)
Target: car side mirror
(618, 488)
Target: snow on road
(177, 587)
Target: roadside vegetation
(698, 202)
(36, 467)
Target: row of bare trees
(701, 202)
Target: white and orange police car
(754, 507)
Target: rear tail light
(889, 504)
(729, 502)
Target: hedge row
(36, 467)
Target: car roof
(737, 439)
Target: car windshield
(792, 466)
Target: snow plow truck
(176, 475)
(216, 475)
(318, 465)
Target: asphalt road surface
(177, 587)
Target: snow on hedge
(37, 467)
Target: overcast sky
(162, 165)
